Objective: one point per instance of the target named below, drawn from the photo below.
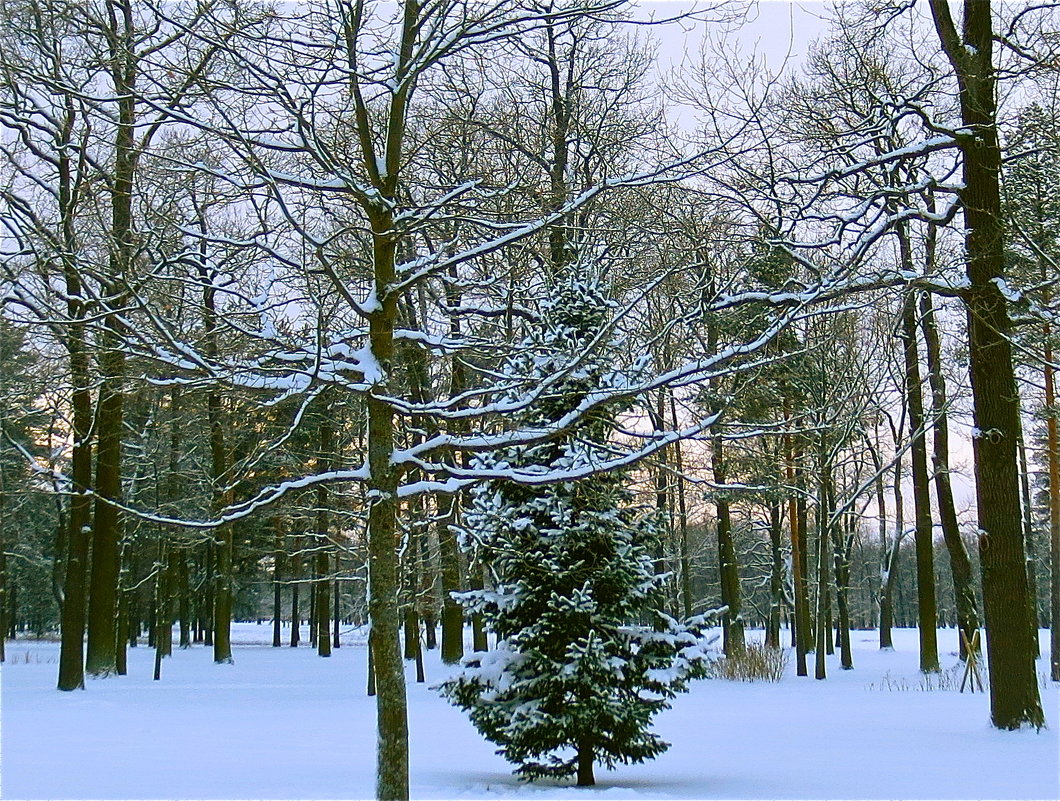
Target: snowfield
(284, 723)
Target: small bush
(756, 662)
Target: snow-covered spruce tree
(576, 675)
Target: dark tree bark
(925, 554)
(449, 557)
(478, 628)
(663, 509)
(223, 544)
(313, 608)
(71, 653)
(383, 579)
(1014, 697)
(122, 634)
(294, 564)
(960, 564)
(335, 643)
(170, 583)
(101, 658)
(448, 509)
(798, 553)
(891, 557)
(824, 513)
(184, 602)
(585, 765)
(411, 625)
(427, 587)
(682, 517)
(3, 576)
(841, 548)
(277, 584)
(206, 606)
(728, 566)
(322, 609)
(1053, 459)
(162, 630)
(1028, 539)
(371, 666)
(776, 577)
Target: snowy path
(283, 723)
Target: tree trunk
(277, 585)
(101, 656)
(222, 545)
(728, 567)
(841, 553)
(960, 564)
(1053, 458)
(585, 765)
(663, 510)
(184, 601)
(411, 624)
(371, 667)
(168, 607)
(824, 512)
(296, 614)
(336, 607)
(313, 608)
(222, 607)
(449, 557)
(72, 613)
(682, 520)
(776, 577)
(427, 589)
(322, 611)
(925, 563)
(478, 627)
(206, 605)
(448, 509)
(1014, 697)
(383, 579)
(162, 631)
(1028, 539)
(798, 578)
(891, 559)
(122, 634)
(3, 576)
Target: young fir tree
(575, 677)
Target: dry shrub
(29, 658)
(756, 662)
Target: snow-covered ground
(283, 723)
